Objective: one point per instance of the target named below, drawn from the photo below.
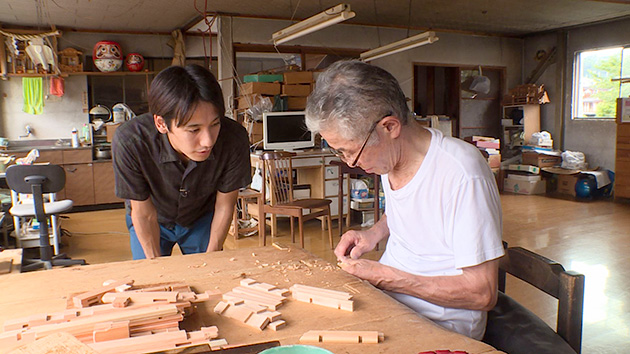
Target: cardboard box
(494, 161)
(261, 88)
(541, 160)
(526, 168)
(524, 187)
(244, 102)
(566, 184)
(255, 131)
(298, 77)
(296, 103)
(299, 90)
(263, 78)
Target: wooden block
(272, 315)
(271, 297)
(371, 337)
(258, 321)
(146, 343)
(6, 266)
(94, 296)
(217, 344)
(347, 305)
(221, 307)
(142, 297)
(321, 291)
(253, 299)
(247, 282)
(276, 325)
(121, 302)
(239, 313)
(110, 331)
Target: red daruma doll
(134, 62)
(107, 56)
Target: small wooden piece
(121, 302)
(276, 325)
(110, 331)
(372, 337)
(6, 266)
(324, 297)
(93, 297)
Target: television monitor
(286, 131)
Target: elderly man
(443, 212)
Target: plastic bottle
(75, 138)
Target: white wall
(61, 114)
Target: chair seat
(28, 209)
(514, 329)
(306, 203)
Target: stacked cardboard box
(490, 145)
(297, 86)
(524, 179)
(540, 160)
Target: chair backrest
(278, 176)
(21, 178)
(550, 277)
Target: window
(594, 93)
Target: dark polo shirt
(145, 165)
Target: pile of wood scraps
(122, 318)
(128, 321)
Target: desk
(345, 169)
(405, 332)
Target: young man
(442, 210)
(180, 167)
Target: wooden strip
(149, 343)
(342, 295)
(258, 321)
(90, 297)
(253, 299)
(217, 344)
(142, 297)
(110, 331)
(239, 313)
(252, 291)
(371, 337)
(346, 305)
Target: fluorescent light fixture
(323, 19)
(405, 44)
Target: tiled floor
(589, 237)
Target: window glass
(595, 94)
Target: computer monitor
(286, 131)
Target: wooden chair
(514, 329)
(250, 202)
(278, 178)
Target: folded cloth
(57, 86)
(33, 95)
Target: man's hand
(354, 243)
(376, 273)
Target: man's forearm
(147, 230)
(223, 211)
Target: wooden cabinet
(79, 183)
(622, 156)
(104, 183)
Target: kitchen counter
(40, 144)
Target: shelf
(86, 73)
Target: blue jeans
(192, 239)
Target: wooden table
(405, 332)
(345, 169)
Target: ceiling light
(323, 19)
(405, 44)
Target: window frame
(577, 63)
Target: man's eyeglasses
(341, 155)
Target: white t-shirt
(446, 218)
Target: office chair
(37, 180)
(278, 176)
(514, 329)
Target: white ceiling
(494, 17)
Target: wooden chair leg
(330, 237)
(301, 226)
(262, 237)
(292, 229)
(235, 222)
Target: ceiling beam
(296, 49)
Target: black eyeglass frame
(367, 138)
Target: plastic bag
(573, 160)
(542, 138)
(262, 105)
